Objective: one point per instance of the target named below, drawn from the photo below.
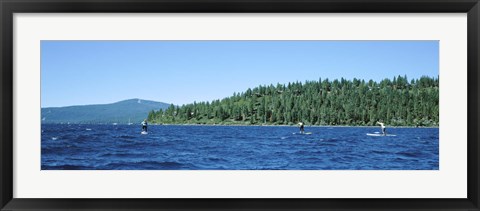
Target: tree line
(396, 102)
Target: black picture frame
(9, 7)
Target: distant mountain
(133, 110)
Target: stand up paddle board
(307, 133)
(379, 134)
(144, 133)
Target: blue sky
(180, 72)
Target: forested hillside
(397, 102)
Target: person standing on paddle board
(384, 130)
(302, 129)
(144, 125)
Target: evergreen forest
(396, 102)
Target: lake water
(170, 147)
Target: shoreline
(244, 125)
(327, 126)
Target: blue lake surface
(172, 147)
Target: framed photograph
(224, 105)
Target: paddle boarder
(302, 129)
(384, 130)
(144, 125)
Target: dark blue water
(95, 147)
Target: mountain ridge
(121, 112)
